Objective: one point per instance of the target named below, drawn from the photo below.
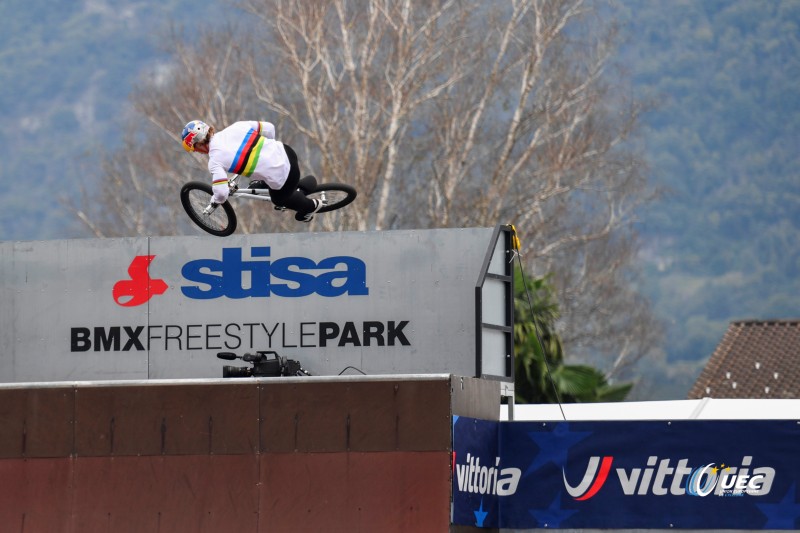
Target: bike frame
(247, 193)
(254, 194)
(236, 192)
(194, 196)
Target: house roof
(756, 359)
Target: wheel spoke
(220, 220)
(216, 219)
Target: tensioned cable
(517, 251)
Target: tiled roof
(756, 359)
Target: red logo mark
(140, 288)
(592, 480)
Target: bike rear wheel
(195, 198)
(333, 195)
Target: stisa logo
(140, 287)
(258, 276)
(234, 276)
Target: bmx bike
(220, 219)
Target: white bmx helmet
(195, 131)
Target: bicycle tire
(195, 197)
(334, 196)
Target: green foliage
(722, 141)
(540, 373)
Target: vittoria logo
(592, 480)
(491, 479)
(660, 477)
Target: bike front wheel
(196, 198)
(333, 196)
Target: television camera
(264, 364)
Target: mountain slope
(66, 69)
(721, 244)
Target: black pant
(288, 195)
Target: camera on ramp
(263, 364)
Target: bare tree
(139, 193)
(351, 78)
(535, 133)
(474, 113)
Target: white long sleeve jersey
(247, 148)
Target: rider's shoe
(308, 217)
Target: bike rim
(216, 220)
(329, 198)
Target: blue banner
(620, 474)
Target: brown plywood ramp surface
(244, 455)
(167, 419)
(168, 493)
(36, 495)
(365, 416)
(37, 422)
(356, 492)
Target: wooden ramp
(354, 454)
